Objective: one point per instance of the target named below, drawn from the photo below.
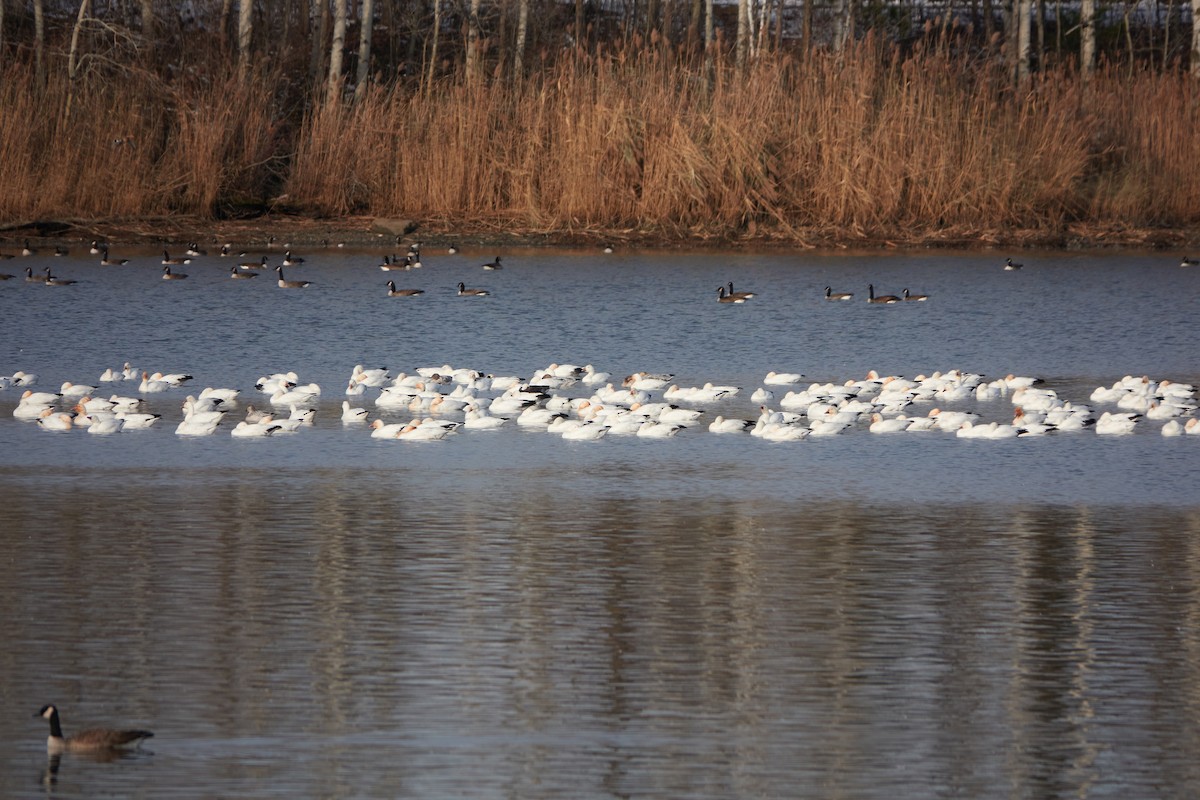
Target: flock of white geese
(583, 404)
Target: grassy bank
(867, 146)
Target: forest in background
(799, 122)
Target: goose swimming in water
(463, 291)
(916, 297)
(286, 284)
(172, 276)
(1010, 265)
(493, 264)
(830, 294)
(174, 262)
(722, 297)
(105, 261)
(394, 292)
(746, 295)
(885, 299)
(91, 740)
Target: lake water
(509, 614)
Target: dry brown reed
(864, 144)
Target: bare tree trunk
(806, 18)
(693, 31)
(1022, 21)
(1196, 39)
(708, 37)
(39, 43)
(1, 31)
(337, 51)
(364, 49)
(316, 65)
(522, 30)
(437, 27)
(472, 65)
(743, 34)
(1087, 34)
(579, 23)
(245, 33)
(223, 25)
(148, 21)
(85, 9)
(843, 24)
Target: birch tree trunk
(85, 10)
(1087, 36)
(522, 30)
(316, 65)
(245, 33)
(708, 37)
(364, 49)
(842, 24)
(1196, 39)
(1022, 14)
(743, 34)
(472, 65)
(336, 51)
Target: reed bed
(866, 144)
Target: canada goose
(390, 263)
(883, 298)
(1010, 265)
(1189, 262)
(27, 250)
(172, 276)
(917, 297)
(91, 740)
(30, 278)
(174, 262)
(226, 250)
(394, 292)
(463, 291)
(830, 294)
(193, 249)
(239, 274)
(96, 247)
(105, 261)
(4, 276)
(290, 260)
(725, 298)
(260, 264)
(494, 264)
(732, 293)
(50, 280)
(452, 249)
(284, 284)
(59, 250)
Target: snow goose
(647, 382)
(301, 395)
(93, 740)
(373, 377)
(73, 391)
(731, 425)
(1116, 424)
(386, 430)
(255, 430)
(104, 426)
(51, 420)
(1192, 426)
(479, 420)
(881, 424)
(419, 431)
(203, 426)
(1172, 428)
(782, 378)
(350, 414)
(593, 378)
(657, 430)
(587, 432)
(136, 420)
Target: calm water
(507, 614)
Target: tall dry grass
(131, 145)
(868, 144)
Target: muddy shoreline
(386, 234)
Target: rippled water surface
(507, 614)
